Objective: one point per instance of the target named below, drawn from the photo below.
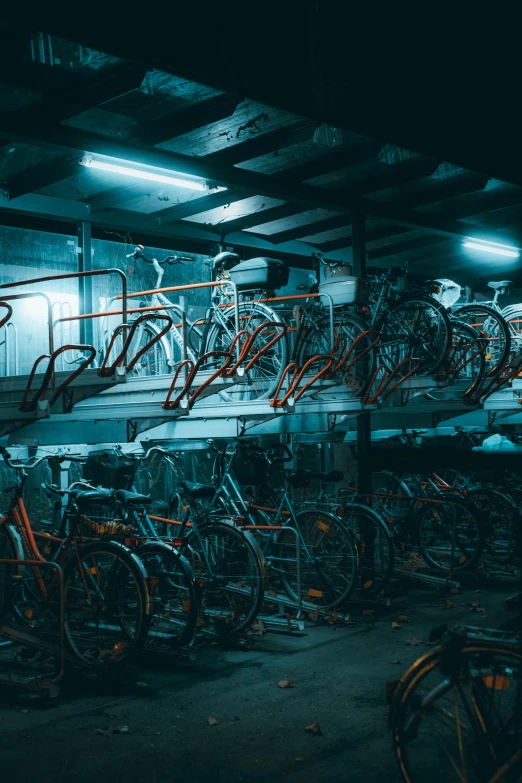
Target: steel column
(83, 233)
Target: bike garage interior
(260, 426)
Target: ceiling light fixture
(154, 176)
(492, 247)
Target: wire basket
(249, 467)
(114, 522)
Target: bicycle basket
(108, 470)
(114, 522)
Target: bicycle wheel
(502, 524)
(107, 606)
(264, 375)
(231, 567)
(450, 534)
(329, 562)
(392, 496)
(156, 360)
(414, 327)
(316, 339)
(513, 316)
(172, 589)
(11, 548)
(374, 544)
(464, 726)
(466, 356)
(496, 332)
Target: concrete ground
(257, 732)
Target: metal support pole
(60, 477)
(83, 233)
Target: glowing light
(492, 247)
(154, 176)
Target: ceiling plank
(118, 196)
(263, 144)
(404, 247)
(371, 236)
(329, 163)
(37, 177)
(307, 196)
(328, 224)
(198, 205)
(188, 119)
(61, 104)
(260, 218)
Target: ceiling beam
(307, 196)
(37, 177)
(198, 205)
(404, 247)
(263, 144)
(188, 119)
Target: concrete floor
(339, 675)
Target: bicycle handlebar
(146, 456)
(138, 252)
(28, 465)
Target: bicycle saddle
(85, 496)
(500, 284)
(197, 491)
(225, 260)
(299, 478)
(132, 498)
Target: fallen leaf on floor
(413, 642)
(314, 616)
(25, 710)
(455, 590)
(257, 629)
(396, 625)
(369, 611)
(402, 618)
(286, 683)
(396, 661)
(212, 721)
(314, 728)
(368, 584)
(447, 603)
(104, 732)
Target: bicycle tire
(475, 369)
(157, 360)
(266, 372)
(427, 337)
(498, 334)
(502, 528)
(465, 537)
(411, 710)
(383, 559)
(172, 590)
(317, 573)
(11, 548)
(233, 588)
(117, 644)
(347, 327)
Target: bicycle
(106, 596)
(214, 333)
(456, 714)
(328, 552)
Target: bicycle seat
(85, 496)
(132, 498)
(500, 284)
(197, 491)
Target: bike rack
(180, 400)
(510, 370)
(41, 685)
(10, 328)
(297, 376)
(383, 391)
(245, 348)
(27, 405)
(460, 362)
(105, 371)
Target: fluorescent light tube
(165, 179)
(492, 247)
